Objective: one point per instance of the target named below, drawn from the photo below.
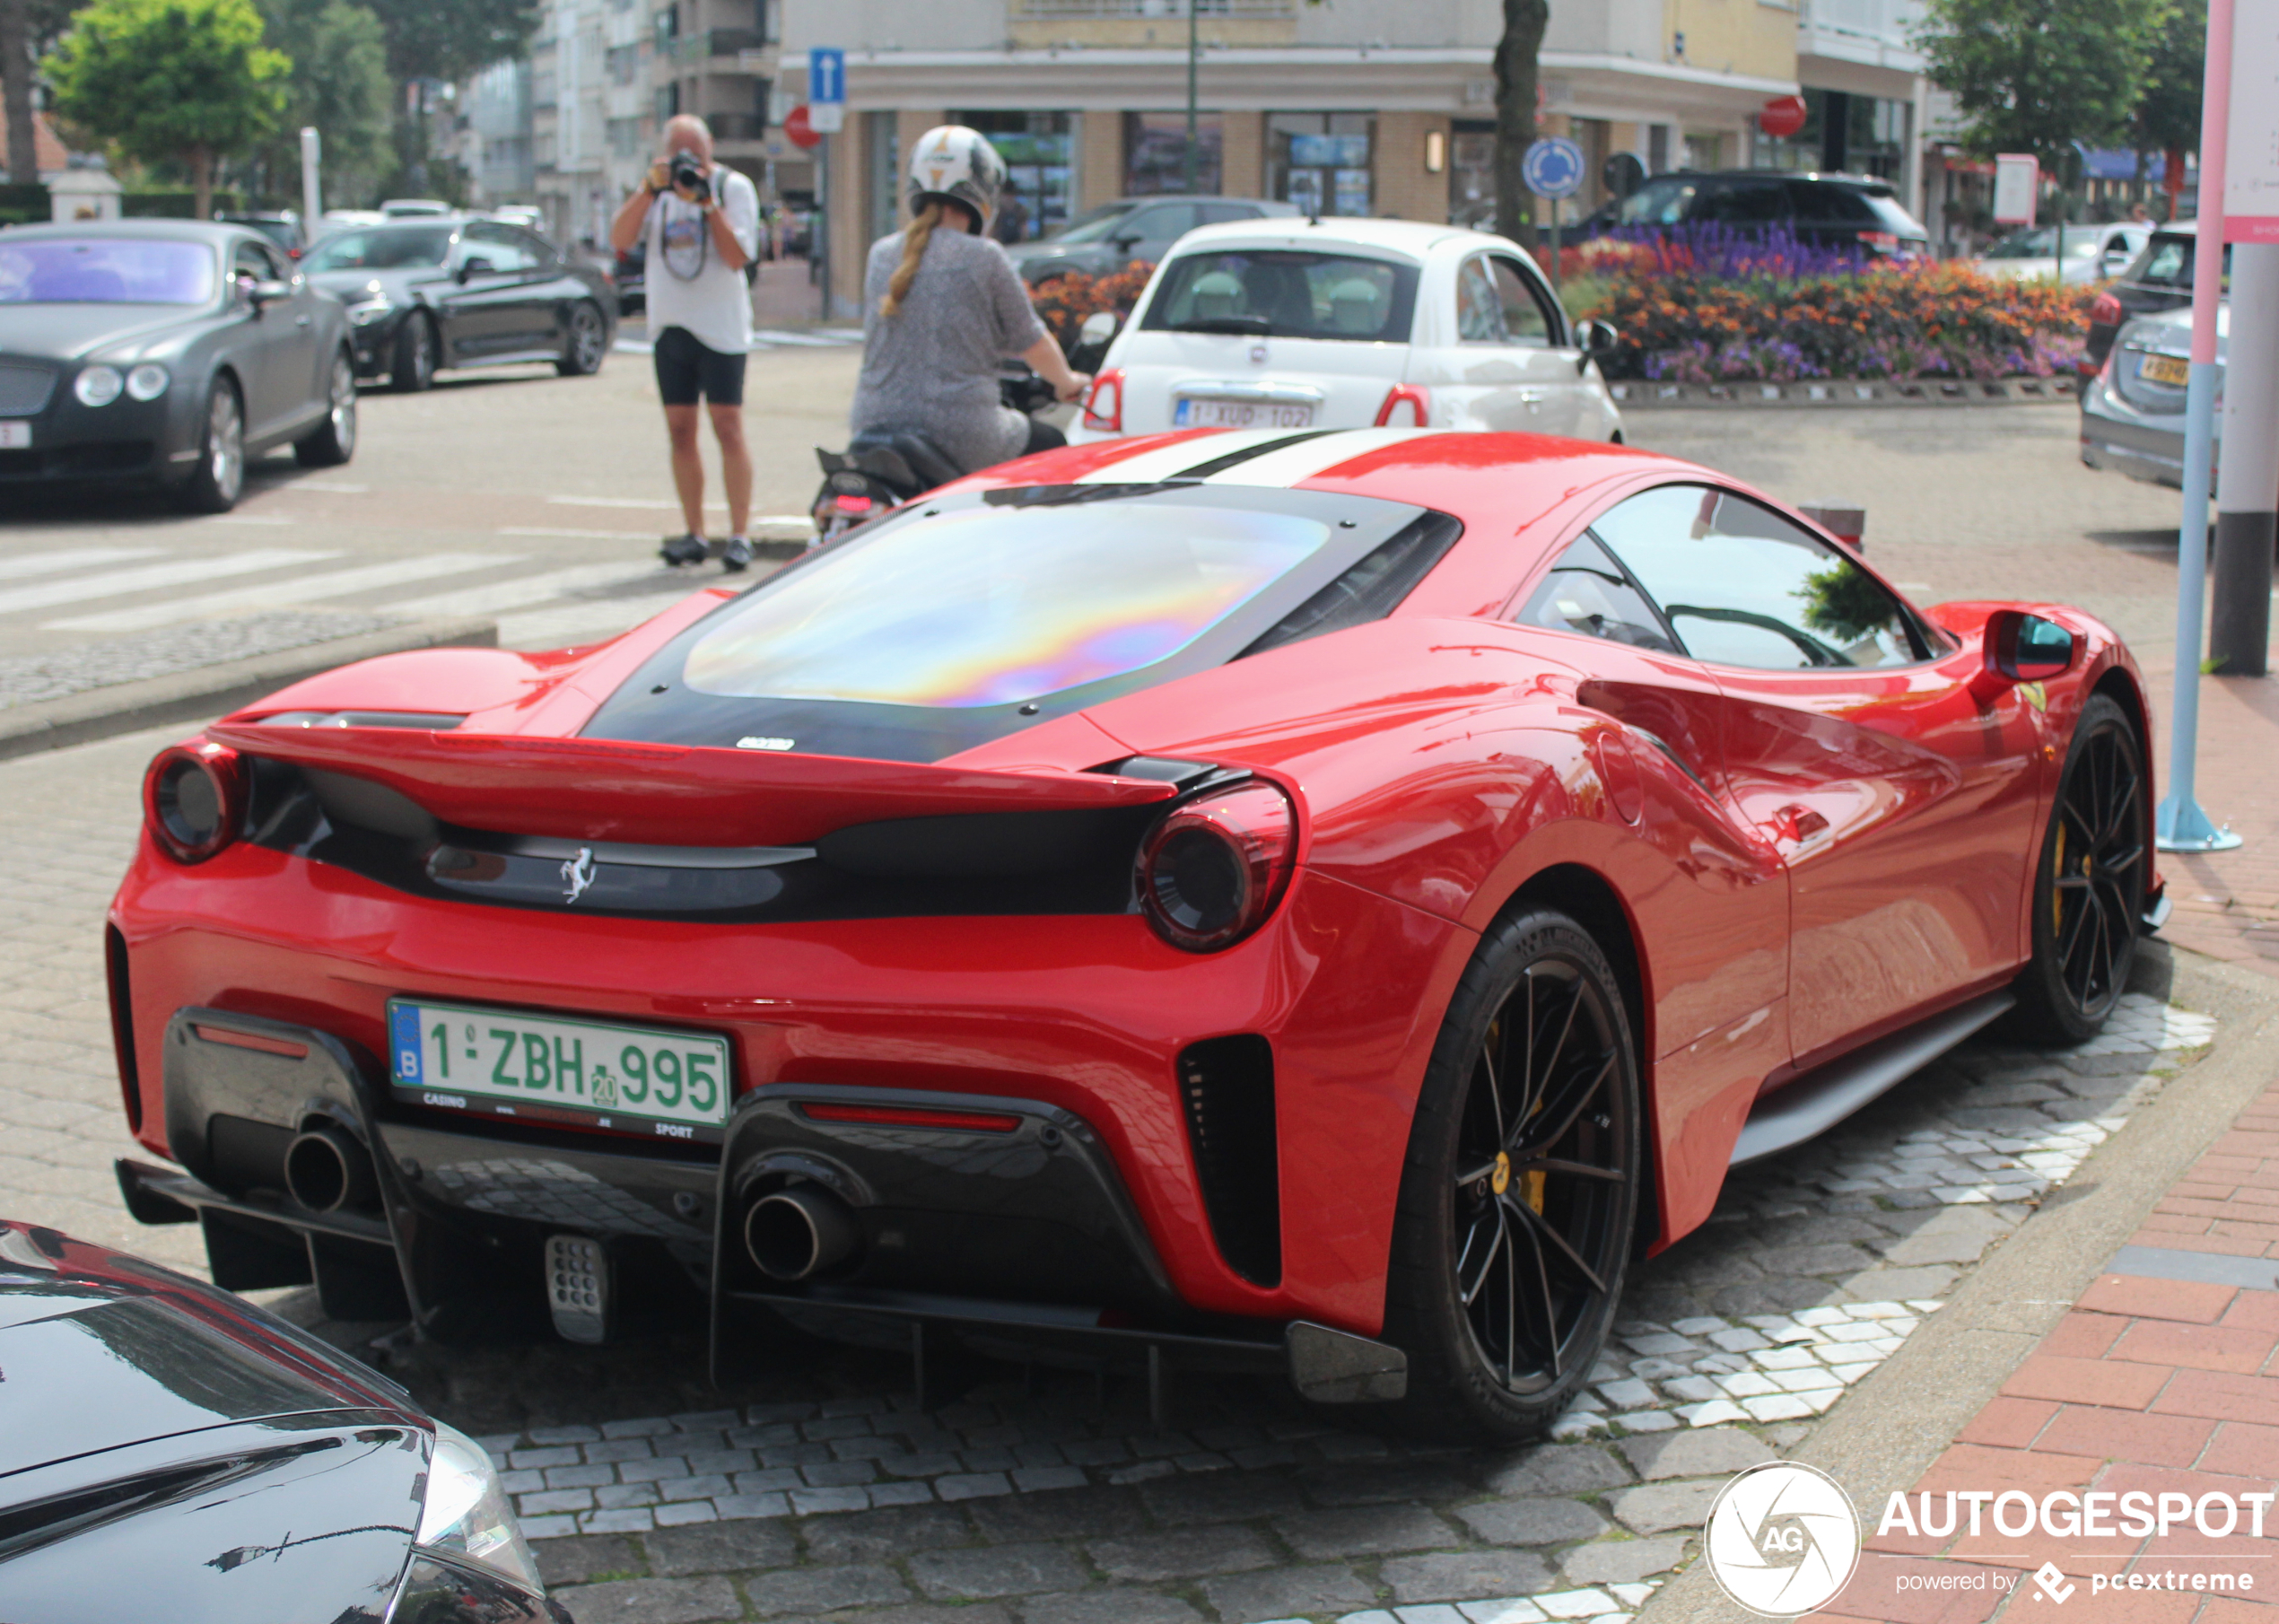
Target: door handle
(302, 321)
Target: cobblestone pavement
(815, 1488)
(28, 678)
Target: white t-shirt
(684, 282)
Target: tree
(171, 78)
(2168, 114)
(339, 83)
(450, 39)
(15, 87)
(1524, 22)
(2037, 76)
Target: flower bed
(1063, 302)
(1708, 305)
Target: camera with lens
(688, 176)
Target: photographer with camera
(701, 221)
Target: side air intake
(1228, 1087)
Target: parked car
(2160, 279)
(335, 218)
(427, 295)
(2093, 253)
(1110, 237)
(1833, 210)
(168, 1440)
(167, 351)
(415, 208)
(2132, 409)
(632, 277)
(1319, 903)
(280, 226)
(528, 216)
(1292, 324)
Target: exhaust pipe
(327, 1169)
(792, 1234)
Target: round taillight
(1212, 870)
(193, 798)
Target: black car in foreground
(169, 1451)
(1830, 210)
(427, 293)
(2159, 279)
(168, 350)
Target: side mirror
(473, 265)
(1597, 340)
(1098, 327)
(266, 292)
(1125, 244)
(2019, 647)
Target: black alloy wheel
(2089, 889)
(335, 440)
(1521, 1194)
(582, 344)
(413, 366)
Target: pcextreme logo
(1782, 1540)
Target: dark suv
(2160, 279)
(1112, 236)
(1830, 210)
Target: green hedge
(24, 204)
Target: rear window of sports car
(967, 617)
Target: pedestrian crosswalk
(102, 592)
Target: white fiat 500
(1343, 324)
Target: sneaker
(734, 554)
(684, 549)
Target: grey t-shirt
(933, 367)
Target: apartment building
(1362, 107)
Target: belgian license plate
(2173, 371)
(1201, 412)
(15, 434)
(648, 1080)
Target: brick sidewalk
(2227, 902)
(2163, 1380)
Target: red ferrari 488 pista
(1314, 902)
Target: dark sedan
(2159, 279)
(1110, 237)
(165, 350)
(425, 295)
(1830, 210)
(169, 1450)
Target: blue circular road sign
(1553, 168)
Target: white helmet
(951, 160)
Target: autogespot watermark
(1783, 1538)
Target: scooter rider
(942, 305)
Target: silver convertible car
(165, 351)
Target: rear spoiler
(671, 795)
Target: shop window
(1321, 161)
(1155, 153)
(882, 150)
(1039, 154)
(1472, 175)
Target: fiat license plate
(654, 1081)
(2173, 371)
(1199, 412)
(15, 434)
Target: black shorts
(687, 367)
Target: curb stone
(1633, 394)
(211, 690)
(1904, 1415)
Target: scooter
(882, 469)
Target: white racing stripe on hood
(1148, 467)
(1308, 458)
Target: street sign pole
(1554, 242)
(1194, 59)
(826, 115)
(2181, 825)
(312, 197)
